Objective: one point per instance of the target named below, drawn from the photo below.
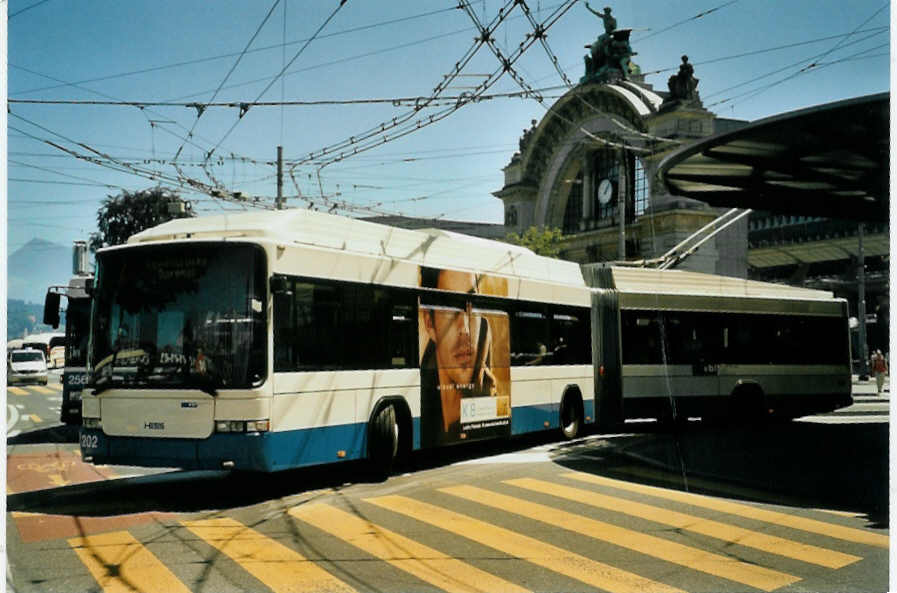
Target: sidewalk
(868, 387)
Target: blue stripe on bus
(588, 409)
(254, 451)
(533, 418)
(273, 451)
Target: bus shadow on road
(191, 491)
(60, 433)
(840, 467)
(176, 491)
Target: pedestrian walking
(879, 369)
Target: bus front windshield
(179, 316)
(77, 330)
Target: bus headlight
(93, 423)
(242, 425)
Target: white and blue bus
(674, 344)
(269, 341)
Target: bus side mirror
(51, 309)
(280, 285)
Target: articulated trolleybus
(674, 344)
(268, 341)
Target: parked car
(26, 366)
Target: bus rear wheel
(571, 416)
(748, 404)
(383, 442)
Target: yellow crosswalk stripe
(121, 564)
(16, 391)
(41, 389)
(556, 559)
(717, 565)
(55, 386)
(35, 418)
(425, 563)
(715, 529)
(280, 568)
(733, 508)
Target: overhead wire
(684, 21)
(47, 170)
(406, 123)
(281, 73)
(27, 8)
(200, 109)
(101, 94)
(233, 54)
(394, 101)
(815, 60)
(110, 162)
(802, 62)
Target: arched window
(573, 210)
(607, 168)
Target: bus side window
(284, 329)
(530, 338)
(571, 342)
(403, 336)
(642, 337)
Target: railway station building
(603, 165)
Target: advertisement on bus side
(465, 359)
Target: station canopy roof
(829, 160)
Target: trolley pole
(279, 203)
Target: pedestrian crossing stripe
(278, 567)
(121, 564)
(586, 570)
(41, 389)
(419, 560)
(750, 512)
(16, 391)
(715, 529)
(714, 564)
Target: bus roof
(43, 338)
(681, 282)
(429, 247)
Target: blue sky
(751, 57)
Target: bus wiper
(209, 389)
(204, 385)
(101, 385)
(100, 388)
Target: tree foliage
(541, 240)
(121, 216)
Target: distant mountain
(34, 267)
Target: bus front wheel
(383, 442)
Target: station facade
(590, 168)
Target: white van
(26, 366)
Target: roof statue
(684, 86)
(608, 59)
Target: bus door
(606, 358)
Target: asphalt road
(800, 506)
